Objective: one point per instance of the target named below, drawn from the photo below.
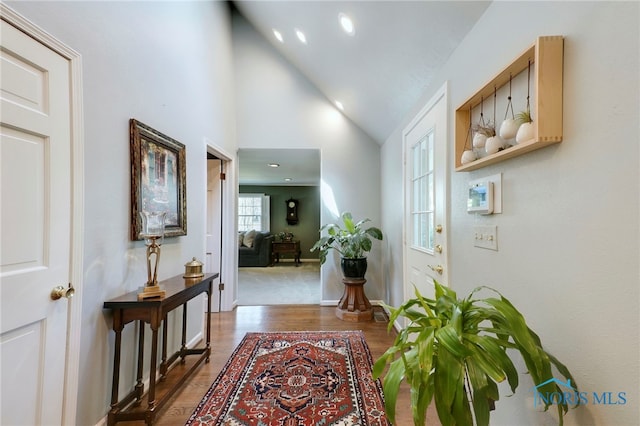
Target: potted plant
(352, 240)
(525, 131)
(455, 351)
(285, 236)
(482, 132)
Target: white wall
(568, 236)
(167, 64)
(277, 107)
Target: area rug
(295, 379)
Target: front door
(35, 156)
(425, 243)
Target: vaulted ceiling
(380, 71)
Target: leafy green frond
(391, 387)
(348, 239)
(491, 350)
(453, 347)
(480, 392)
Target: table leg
(117, 327)
(208, 319)
(183, 348)
(153, 369)
(163, 364)
(139, 384)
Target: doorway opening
(280, 188)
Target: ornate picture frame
(158, 179)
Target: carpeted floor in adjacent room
(282, 284)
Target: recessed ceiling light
(340, 106)
(274, 165)
(278, 36)
(288, 179)
(301, 36)
(347, 24)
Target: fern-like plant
(455, 351)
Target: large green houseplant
(351, 239)
(456, 350)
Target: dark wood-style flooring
(228, 329)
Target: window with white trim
(253, 212)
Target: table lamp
(153, 234)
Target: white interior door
(425, 243)
(213, 261)
(214, 219)
(35, 156)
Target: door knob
(438, 268)
(438, 248)
(439, 229)
(59, 292)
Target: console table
(128, 308)
(286, 247)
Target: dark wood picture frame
(158, 179)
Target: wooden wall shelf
(546, 109)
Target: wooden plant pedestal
(354, 305)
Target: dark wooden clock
(292, 211)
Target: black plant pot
(354, 268)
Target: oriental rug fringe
(295, 379)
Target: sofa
(254, 248)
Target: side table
(285, 247)
(128, 308)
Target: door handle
(438, 268)
(59, 292)
(438, 248)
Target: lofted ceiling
(381, 71)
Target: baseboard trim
(335, 303)
(396, 325)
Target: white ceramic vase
(468, 156)
(494, 144)
(479, 140)
(508, 129)
(525, 132)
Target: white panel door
(213, 261)
(35, 160)
(425, 244)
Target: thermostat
(480, 199)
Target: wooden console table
(285, 247)
(128, 308)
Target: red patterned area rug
(295, 379)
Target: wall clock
(292, 211)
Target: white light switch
(486, 237)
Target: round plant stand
(354, 305)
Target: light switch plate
(486, 237)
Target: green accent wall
(307, 230)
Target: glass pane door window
(422, 200)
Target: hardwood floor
(228, 329)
